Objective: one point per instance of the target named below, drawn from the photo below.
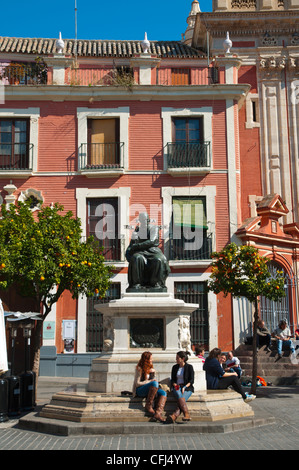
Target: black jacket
(188, 375)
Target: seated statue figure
(148, 267)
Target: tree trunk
(36, 346)
(254, 351)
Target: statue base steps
(91, 407)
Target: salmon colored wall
(66, 310)
(225, 322)
(58, 153)
(250, 159)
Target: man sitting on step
(263, 336)
(233, 364)
(283, 337)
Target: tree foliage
(42, 253)
(242, 272)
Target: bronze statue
(148, 267)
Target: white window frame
(33, 114)
(168, 192)
(168, 114)
(250, 123)
(122, 113)
(82, 194)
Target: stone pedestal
(165, 331)
(80, 407)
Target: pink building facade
(110, 130)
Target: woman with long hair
(182, 380)
(218, 379)
(146, 385)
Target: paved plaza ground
(282, 403)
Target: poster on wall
(69, 346)
(49, 330)
(69, 335)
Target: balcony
(16, 159)
(179, 250)
(101, 159)
(24, 74)
(188, 158)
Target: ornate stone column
(274, 127)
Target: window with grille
(102, 224)
(94, 320)
(196, 293)
(189, 239)
(273, 312)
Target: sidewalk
(275, 407)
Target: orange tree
(242, 272)
(42, 255)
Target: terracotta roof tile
(97, 48)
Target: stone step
(93, 407)
(266, 360)
(274, 379)
(273, 372)
(277, 371)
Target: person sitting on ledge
(283, 336)
(146, 385)
(263, 336)
(199, 352)
(233, 364)
(218, 379)
(182, 380)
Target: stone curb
(33, 422)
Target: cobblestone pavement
(280, 402)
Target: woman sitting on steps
(182, 380)
(145, 385)
(218, 379)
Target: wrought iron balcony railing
(188, 155)
(24, 74)
(180, 249)
(101, 156)
(16, 156)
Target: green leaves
(44, 254)
(242, 272)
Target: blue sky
(97, 19)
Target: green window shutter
(189, 212)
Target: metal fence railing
(188, 155)
(18, 156)
(101, 156)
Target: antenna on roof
(76, 40)
(76, 20)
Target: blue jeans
(288, 343)
(236, 369)
(178, 394)
(143, 390)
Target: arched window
(272, 312)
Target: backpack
(262, 381)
